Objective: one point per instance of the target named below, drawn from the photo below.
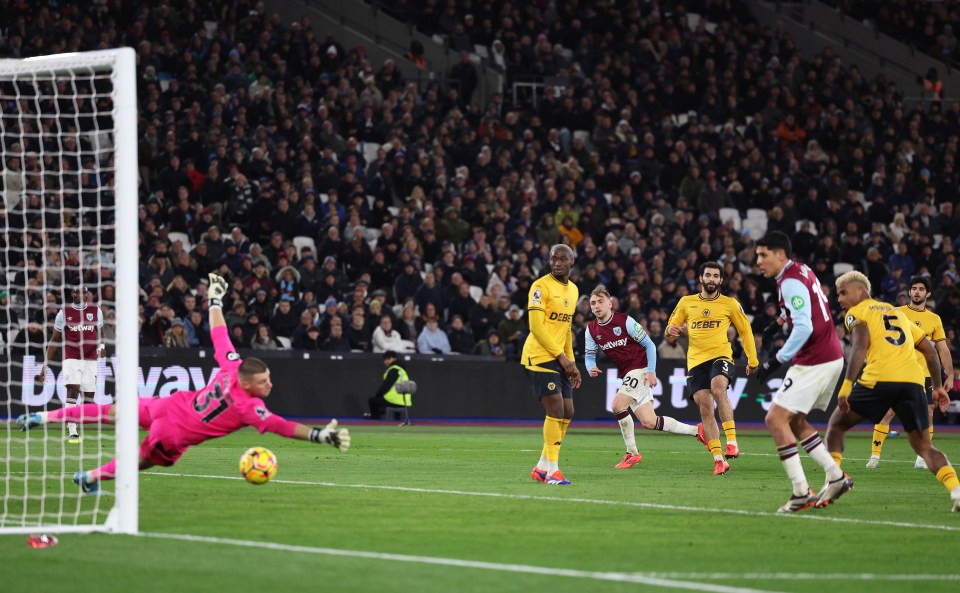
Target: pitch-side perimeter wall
(324, 385)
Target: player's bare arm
(861, 342)
(946, 358)
(940, 397)
(51, 352)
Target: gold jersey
(891, 355)
(931, 325)
(551, 305)
(707, 322)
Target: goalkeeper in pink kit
(231, 401)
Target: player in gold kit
(928, 321)
(548, 358)
(707, 316)
(886, 339)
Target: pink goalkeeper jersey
(220, 408)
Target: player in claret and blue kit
(817, 358)
(231, 401)
(623, 341)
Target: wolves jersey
(707, 322)
(891, 355)
(558, 301)
(931, 325)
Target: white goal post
(37, 95)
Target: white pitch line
(619, 577)
(802, 576)
(809, 516)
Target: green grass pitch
(452, 508)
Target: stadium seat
(182, 237)
(482, 51)
(756, 214)
(937, 240)
(475, 293)
(731, 214)
(842, 268)
(285, 342)
(301, 242)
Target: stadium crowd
(352, 210)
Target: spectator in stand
(336, 341)
(490, 346)
(385, 338)
(460, 336)
(432, 339)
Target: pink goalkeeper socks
(86, 414)
(107, 472)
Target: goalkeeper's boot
(700, 436)
(920, 463)
(834, 490)
(731, 452)
(557, 479)
(873, 462)
(629, 460)
(798, 503)
(720, 467)
(28, 421)
(538, 474)
(90, 488)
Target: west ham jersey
(619, 338)
(808, 315)
(79, 325)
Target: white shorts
(80, 372)
(635, 386)
(805, 388)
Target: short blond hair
(854, 276)
(600, 290)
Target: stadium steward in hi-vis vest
(387, 394)
(622, 339)
(548, 357)
(932, 326)
(882, 373)
(707, 316)
(78, 324)
(814, 349)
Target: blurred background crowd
(354, 208)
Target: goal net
(69, 218)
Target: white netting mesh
(57, 138)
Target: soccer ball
(258, 465)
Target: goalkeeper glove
(218, 288)
(331, 435)
(768, 368)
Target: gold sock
(948, 477)
(880, 432)
(730, 430)
(565, 423)
(838, 457)
(552, 436)
(714, 445)
(931, 431)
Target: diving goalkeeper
(231, 401)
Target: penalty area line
(810, 516)
(619, 577)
